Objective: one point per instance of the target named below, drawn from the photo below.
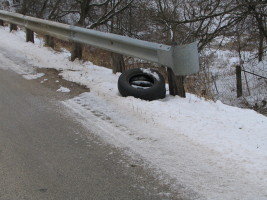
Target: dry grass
(200, 85)
(60, 44)
(97, 56)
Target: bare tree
(168, 11)
(94, 13)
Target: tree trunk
(176, 84)
(77, 48)
(49, 41)
(261, 48)
(1, 22)
(76, 51)
(24, 8)
(117, 62)
(29, 36)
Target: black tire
(146, 84)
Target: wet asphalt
(46, 154)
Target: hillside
(206, 148)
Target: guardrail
(183, 59)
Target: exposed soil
(54, 81)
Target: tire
(146, 84)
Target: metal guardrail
(183, 59)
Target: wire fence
(254, 74)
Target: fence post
(13, 27)
(49, 41)
(176, 83)
(117, 62)
(77, 51)
(29, 35)
(1, 22)
(238, 81)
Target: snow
(63, 89)
(33, 76)
(141, 84)
(206, 149)
(139, 87)
(44, 80)
(148, 71)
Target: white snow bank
(198, 160)
(217, 151)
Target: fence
(239, 90)
(183, 60)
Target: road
(45, 154)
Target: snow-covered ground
(206, 149)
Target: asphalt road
(45, 154)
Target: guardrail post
(1, 22)
(172, 82)
(76, 51)
(49, 41)
(181, 87)
(238, 81)
(29, 35)
(176, 83)
(118, 64)
(13, 27)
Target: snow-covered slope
(209, 150)
(222, 68)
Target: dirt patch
(54, 81)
